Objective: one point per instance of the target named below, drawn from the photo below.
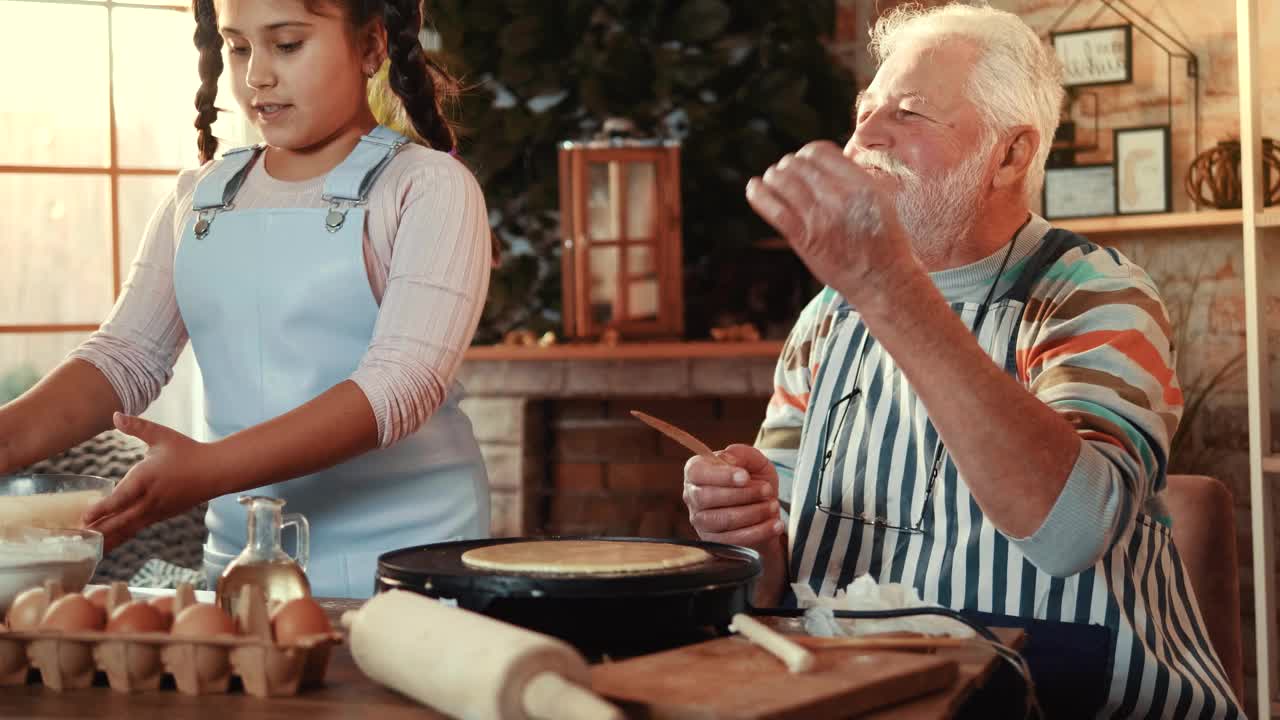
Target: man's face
(918, 129)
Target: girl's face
(299, 76)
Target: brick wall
(565, 422)
(609, 474)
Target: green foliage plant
(739, 83)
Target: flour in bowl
(30, 546)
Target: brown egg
(299, 618)
(137, 617)
(28, 609)
(98, 596)
(203, 620)
(163, 604)
(73, 613)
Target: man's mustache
(883, 161)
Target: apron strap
(1057, 242)
(217, 189)
(353, 177)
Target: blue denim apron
(279, 310)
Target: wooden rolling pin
(467, 665)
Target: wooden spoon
(694, 445)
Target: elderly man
(977, 404)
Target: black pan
(602, 615)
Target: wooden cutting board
(732, 678)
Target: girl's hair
(209, 43)
(419, 87)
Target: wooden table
(349, 694)
(975, 669)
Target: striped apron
(1161, 662)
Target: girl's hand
(176, 474)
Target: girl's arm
(122, 367)
(68, 406)
(432, 232)
(335, 427)
(179, 473)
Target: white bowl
(31, 556)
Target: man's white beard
(935, 213)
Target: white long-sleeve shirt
(427, 255)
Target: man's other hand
(737, 503)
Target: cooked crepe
(584, 557)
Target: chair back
(1204, 532)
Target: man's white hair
(1016, 81)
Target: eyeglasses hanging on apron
(839, 413)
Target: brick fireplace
(564, 455)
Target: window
(95, 121)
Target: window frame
(113, 170)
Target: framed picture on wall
(1144, 180)
(1095, 56)
(1079, 191)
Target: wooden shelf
(1269, 217)
(1142, 223)
(630, 351)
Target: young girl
(329, 280)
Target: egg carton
(135, 662)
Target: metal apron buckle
(333, 221)
(336, 216)
(205, 221)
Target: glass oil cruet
(263, 562)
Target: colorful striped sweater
(1086, 332)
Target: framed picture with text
(1079, 192)
(1144, 179)
(1095, 56)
